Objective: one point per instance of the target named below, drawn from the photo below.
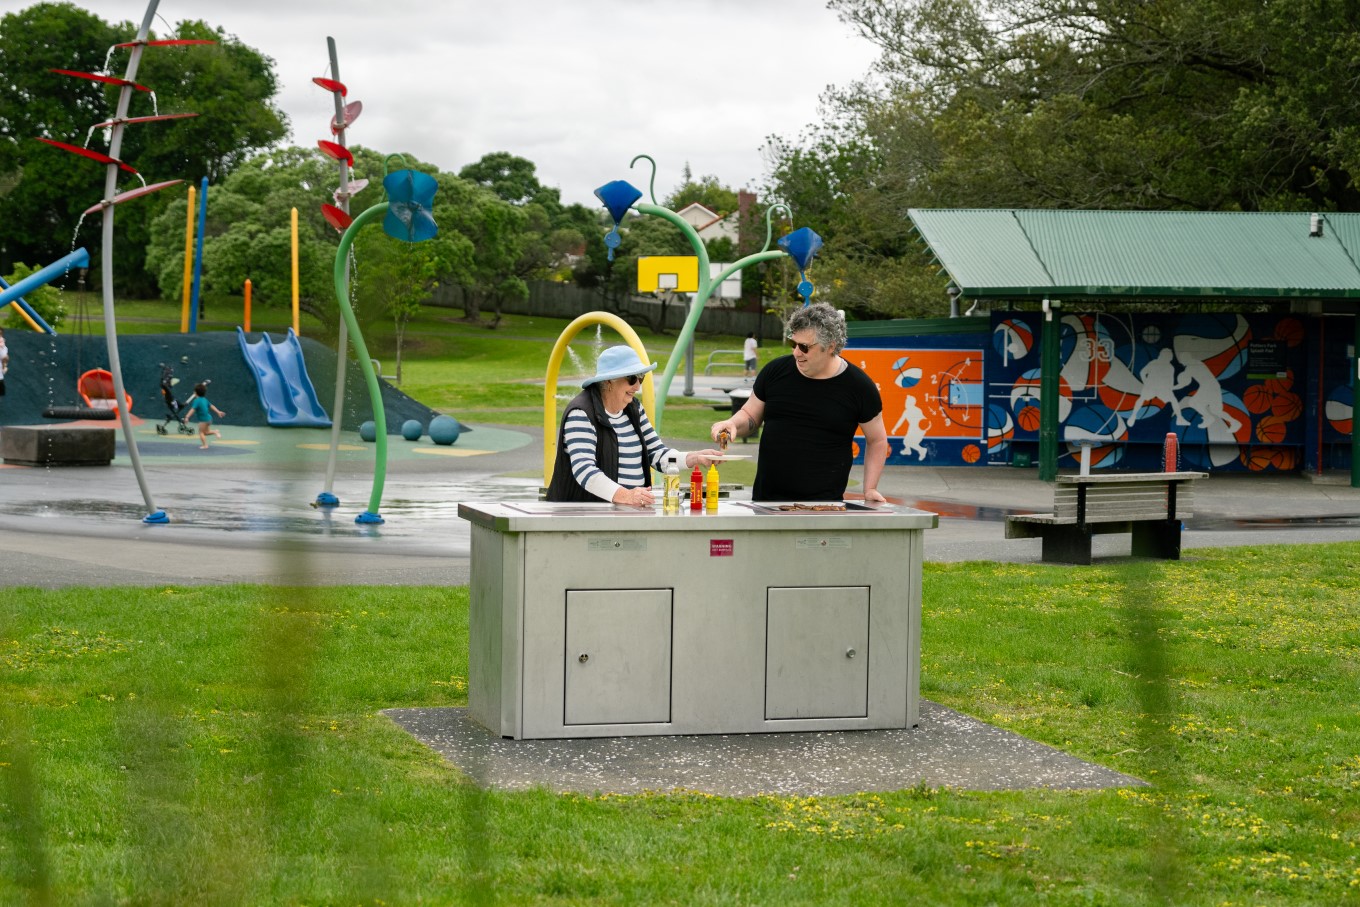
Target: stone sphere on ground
(411, 430)
(444, 429)
(368, 432)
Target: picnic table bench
(1149, 505)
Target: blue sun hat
(617, 362)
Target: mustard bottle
(711, 491)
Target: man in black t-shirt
(811, 403)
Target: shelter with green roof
(1241, 343)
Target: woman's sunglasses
(803, 348)
(633, 379)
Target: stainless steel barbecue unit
(590, 620)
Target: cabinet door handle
(583, 658)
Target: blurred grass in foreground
(223, 745)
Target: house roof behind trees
(1028, 253)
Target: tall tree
(707, 191)
(551, 233)
(512, 178)
(395, 278)
(496, 230)
(1194, 104)
(248, 233)
(43, 190)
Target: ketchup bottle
(696, 490)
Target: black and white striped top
(579, 438)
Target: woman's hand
(701, 457)
(635, 497)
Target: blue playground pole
(22, 303)
(77, 259)
(29, 310)
(198, 254)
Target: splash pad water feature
(113, 166)
(801, 245)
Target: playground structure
(286, 394)
(559, 351)
(14, 295)
(112, 167)
(406, 217)
(338, 216)
(96, 389)
(681, 274)
(801, 245)
(286, 391)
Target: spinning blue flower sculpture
(802, 245)
(618, 197)
(410, 197)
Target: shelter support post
(1355, 423)
(1048, 392)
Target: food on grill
(817, 507)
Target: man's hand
(727, 426)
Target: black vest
(564, 486)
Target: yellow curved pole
(31, 323)
(559, 351)
(188, 263)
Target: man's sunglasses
(803, 348)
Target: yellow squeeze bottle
(711, 491)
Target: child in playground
(203, 410)
(4, 361)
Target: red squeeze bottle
(696, 490)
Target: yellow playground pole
(609, 320)
(24, 315)
(188, 263)
(295, 275)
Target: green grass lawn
(223, 746)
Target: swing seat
(79, 412)
(96, 389)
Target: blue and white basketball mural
(1129, 380)
(1233, 389)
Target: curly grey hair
(822, 320)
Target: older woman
(606, 446)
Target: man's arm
(875, 455)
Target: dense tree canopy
(1189, 104)
(706, 190)
(43, 189)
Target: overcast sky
(579, 87)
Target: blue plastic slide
(286, 393)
